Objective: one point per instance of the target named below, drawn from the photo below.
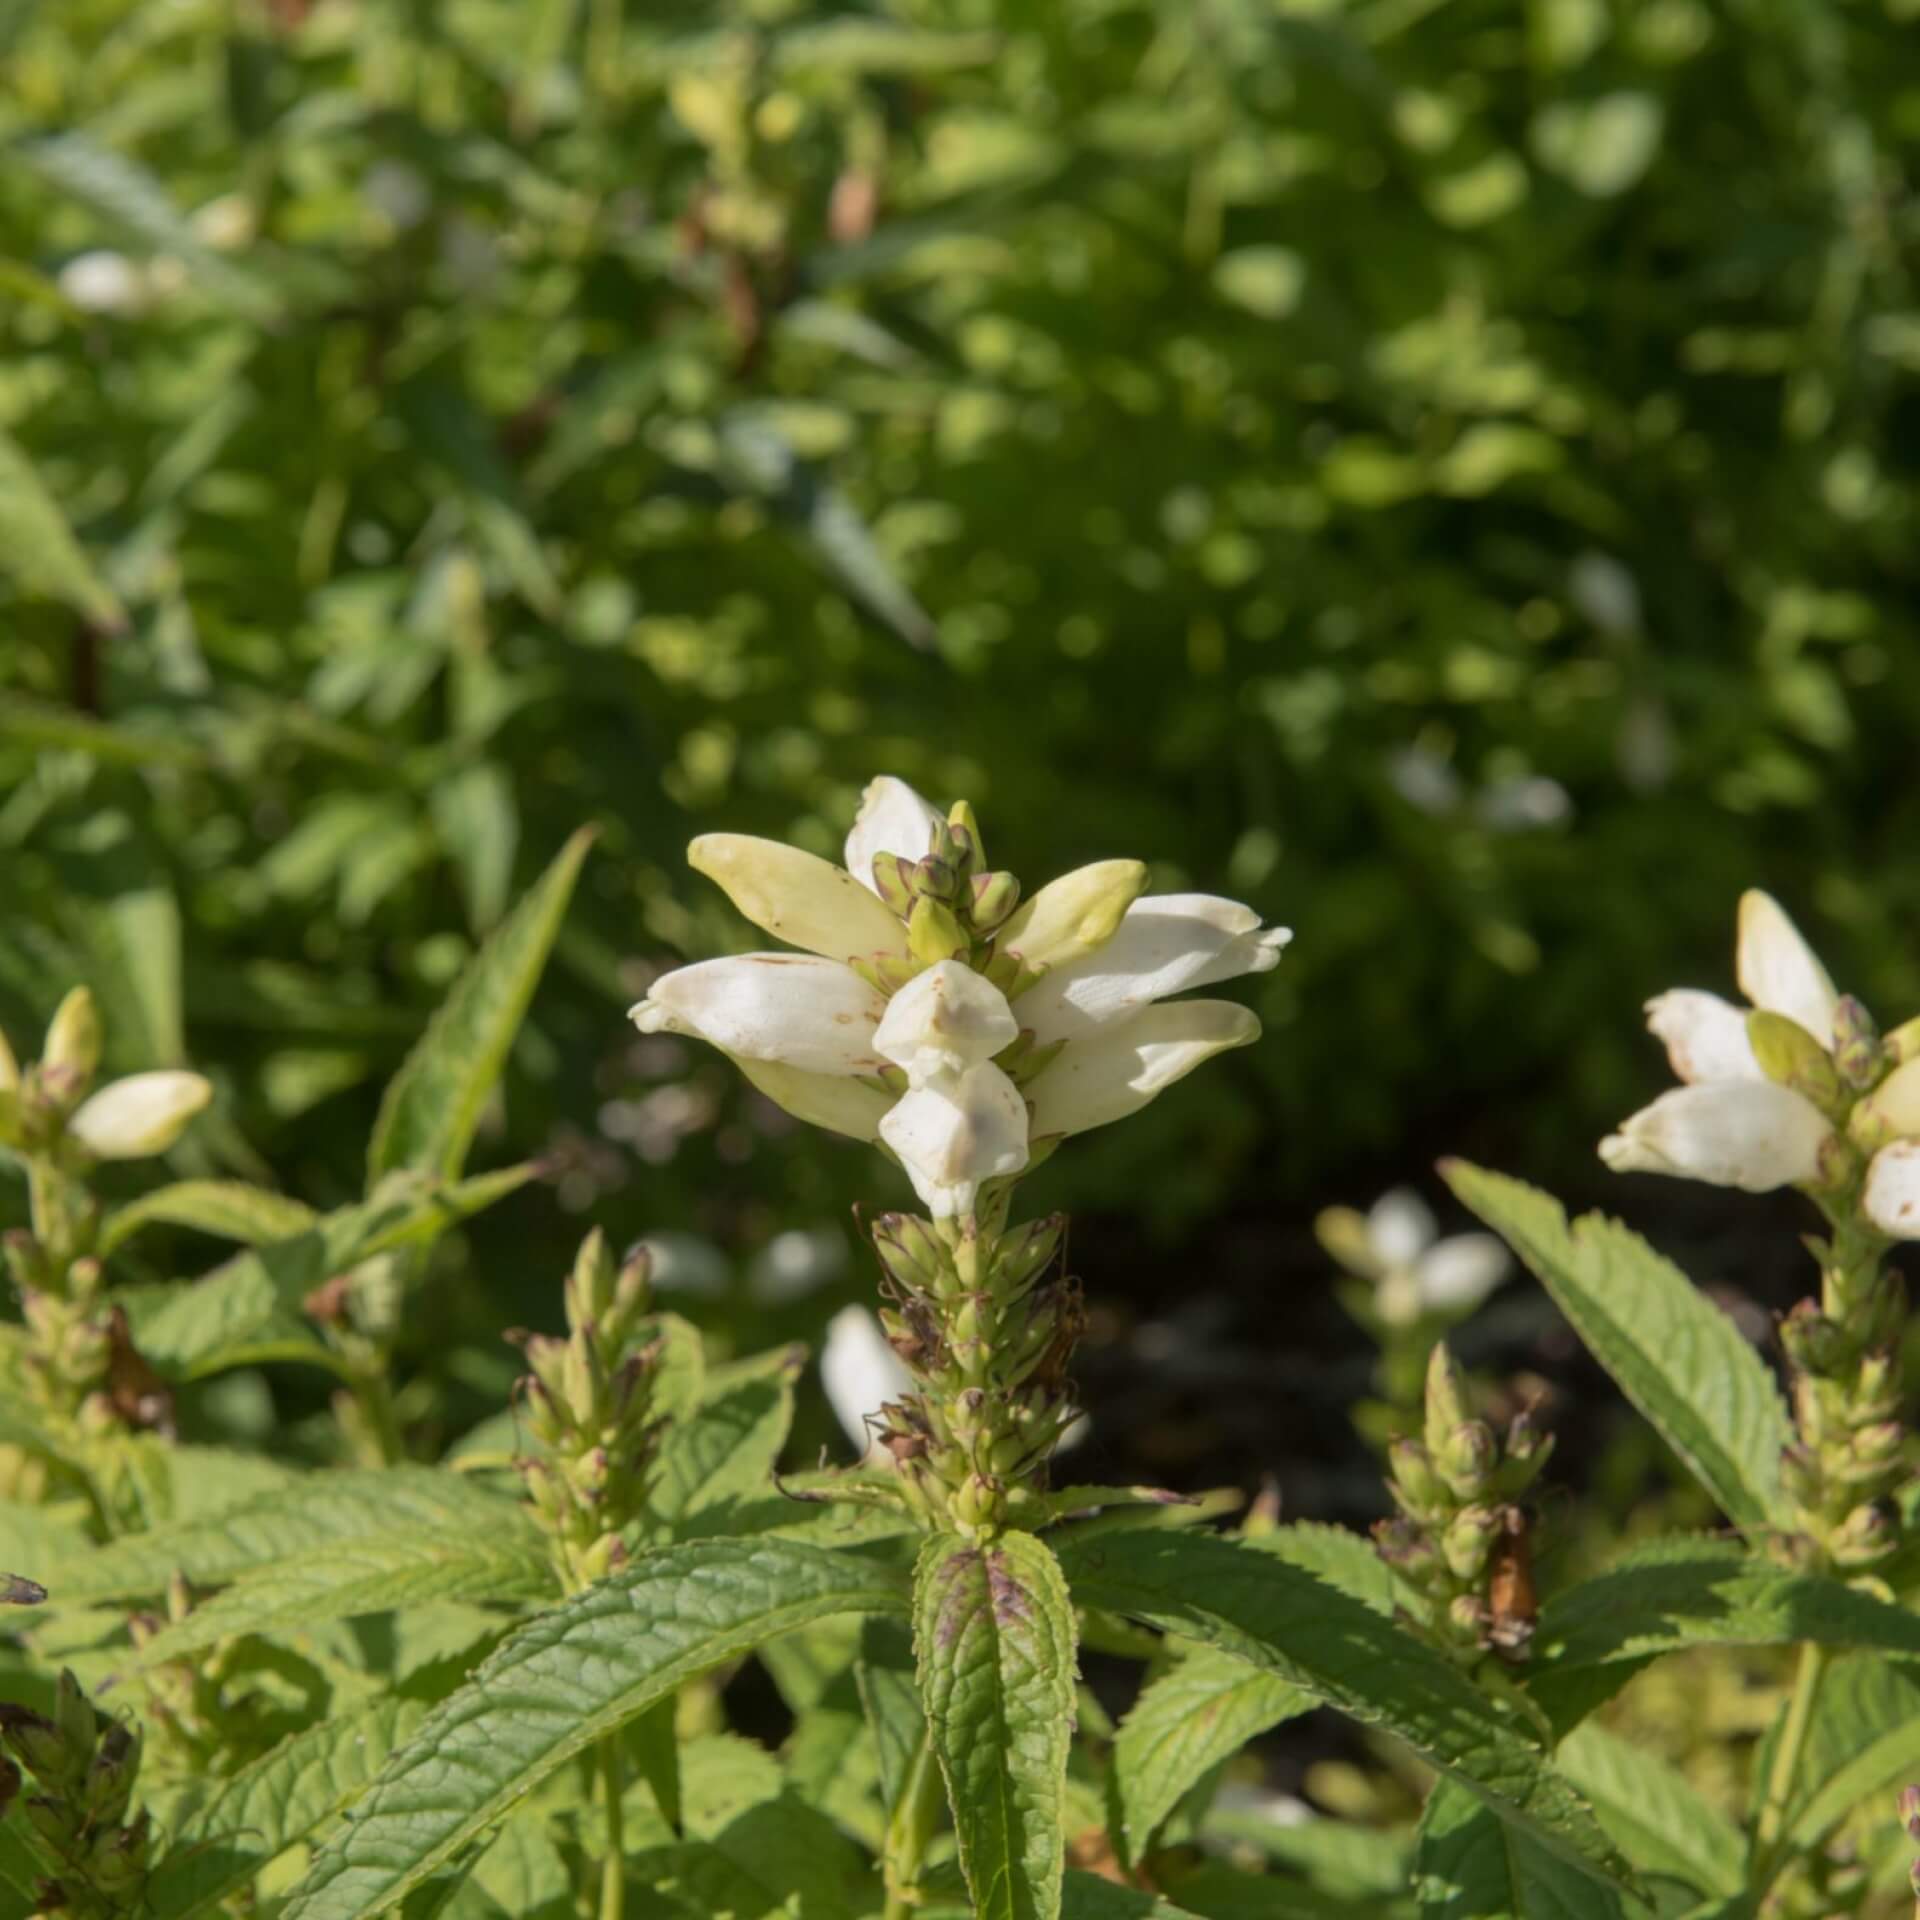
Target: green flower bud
(119, 1861)
(910, 1251)
(73, 1714)
(1468, 1459)
(969, 843)
(1814, 1343)
(1528, 1449)
(1405, 1546)
(35, 1741)
(26, 1260)
(1446, 1399)
(109, 1784)
(589, 1288)
(53, 1820)
(1856, 1043)
(1879, 1445)
(933, 934)
(72, 1046)
(980, 1503)
(1468, 1542)
(992, 897)
(1876, 1387)
(584, 1376)
(1467, 1619)
(893, 881)
(932, 879)
(1026, 1252)
(1791, 1057)
(1866, 1535)
(1414, 1483)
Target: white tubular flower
(1396, 1246)
(140, 1115)
(956, 1131)
(1751, 1135)
(1891, 1199)
(1729, 1124)
(840, 1105)
(892, 819)
(788, 1008)
(1074, 915)
(1164, 944)
(804, 900)
(944, 1021)
(860, 1373)
(1120, 1068)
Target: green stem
(1770, 1826)
(909, 1832)
(613, 1871)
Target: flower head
(934, 1012)
(1396, 1247)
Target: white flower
(1729, 1124)
(956, 1131)
(103, 281)
(1891, 1199)
(1396, 1246)
(1116, 1071)
(789, 1008)
(892, 819)
(1730, 1133)
(140, 1115)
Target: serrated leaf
(1201, 1711)
(718, 1457)
(225, 1832)
(509, 1561)
(1292, 1624)
(249, 1307)
(1674, 1354)
(38, 546)
(433, 1104)
(994, 1643)
(562, 1682)
(232, 1209)
(1687, 1593)
(1471, 1865)
(1862, 1742)
(1655, 1815)
(327, 1509)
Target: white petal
(1893, 1106)
(955, 1132)
(829, 1100)
(892, 819)
(1892, 1195)
(859, 1371)
(142, 1114)
(944, 1021)
(1074, 914)
(1459, 1273)
(1705, 1036)
(1746, 1134)
(803, 900)
(1117, 1070)
(1777, 970)
(1165, 944)
(1400, 1227)
(789, 1007)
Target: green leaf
(37, 724)
(38, 547)
(890, 1699)
(478, 823)
(1594, 1637)
(509, 1561)
(1653, 1812)
(1674, 1354)
(433, 1104)
(324, 1510)
(719, 1457)
(1862, 1742)
(230, 1208)
(562, 1682)
(1296, 1626)
(226, 1831)
(250, 1307)
(1472, 1865)
(994, 1642)
(1201, 1711)
(1085, 1896)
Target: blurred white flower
(1396, 1246)
(143, 1114)
(684, 1263)
(1729, 1124)
(399, 193)
(860, 1373)
(1605, 593)
(103, 281)
(794, 1264)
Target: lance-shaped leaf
(224, 1833)
(1674, 1354)
(561, 1683)
(993, 1640)
(1286, 1621)
(1862, 1742)
(231, 1209)
(1472, 1866)
(1657, 1817)
(715, 1467)
(1201, 1711)
(1593, 1638)
(38, 546)
(433, 1104)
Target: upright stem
(1769, 1826)
(613, 1870)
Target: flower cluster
(933, 1011)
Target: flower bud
(1446, 1399)
(1865, 1536)
(1415, 1484)
(589, 1288)
(1468, 1542)
(35, 1742)
(1878, 1446)
(993, 896)
(1876, 1387)
(1799, 1476)
(980, 1502)
(72, 1045)
(969, 844)
(931, 879)
(1468, 1459)
(109, 1784)
(1856, 1043)
(910, 1251)
(893, 882)
(1467, 1618)
(141, 1115)
(1791, 1057)
(52, 1820)
(1405, 1546)
(119, 1861)
(1812, 1342)
(1025, 1252)
(933, 934)
(27, 1265)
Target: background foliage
(1445, 474)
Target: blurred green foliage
(1443, 473)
